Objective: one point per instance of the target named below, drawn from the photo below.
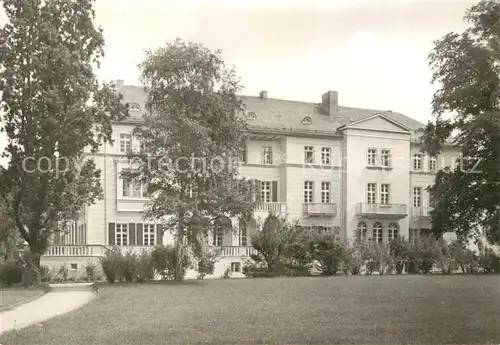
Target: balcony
(76, 250)
(392, 211)
(225, 251)
(320, 209)
(273, 207)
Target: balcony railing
(381, 210)
(320, 209)
(274, 207)
(234, 250)
(76, 250)
(423, 211)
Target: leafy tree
(191, 136)
(466, 66)
(52, 107)
(9, 236)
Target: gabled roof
(378, 115)
(285, 115)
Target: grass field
(338, 310)
(12, 296)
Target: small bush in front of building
(165, 262)
(11, 272)
(255, 270)
(90, 271)
(112, 265)
(329, 253)
(145, 269)
(129, 266)
(63, 272)
(45, 274)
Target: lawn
(12, 296)
(339, 310)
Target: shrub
(329, 253)
(298, 253)
(356, 254)
(444, 257)
(63, 272)
(426, 251)
(11, 272)
(165, 259)
(90, 271)
(129, 266)
(489, 261)
(145, 270)
(45, 274)
(254, 270)
(398, 254)
(206, 263)
(378, 256)
(112, 265)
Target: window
(243, 153)
(326, 155)
(336, 233)
(148, 235)
(372, 157)
(74, 267)
(378, 232)
(133, 189)
(362, 229)
(243, 236)
(125, 142)
(417, 161)
(308, 191)
(218, 235)
(265, 191)
(384, 194)
(309, 154)
(121, 234)
(192, 193)
(393, 231)
(385, 157)
(370, 193)
(325, 192)
(417, 196)
(235, 266)
(267, 155)
(142, 146)
(432, 164)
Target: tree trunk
(179, 274)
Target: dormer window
(251, 115)
(135, 107)
(306, 120)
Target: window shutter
(271, 155)
(245, 153)
(159, 235)
(131, 234)
(262, 157)
(139, 235)
(111, 234)
(274, 191)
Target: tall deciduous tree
(53, 107)
(191, 136)
(466, 66)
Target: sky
(374, 53)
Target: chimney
(263, 94)
(119, 84)
(330, 101)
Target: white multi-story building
(327, 165)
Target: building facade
(341, 168)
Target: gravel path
(51, 304)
